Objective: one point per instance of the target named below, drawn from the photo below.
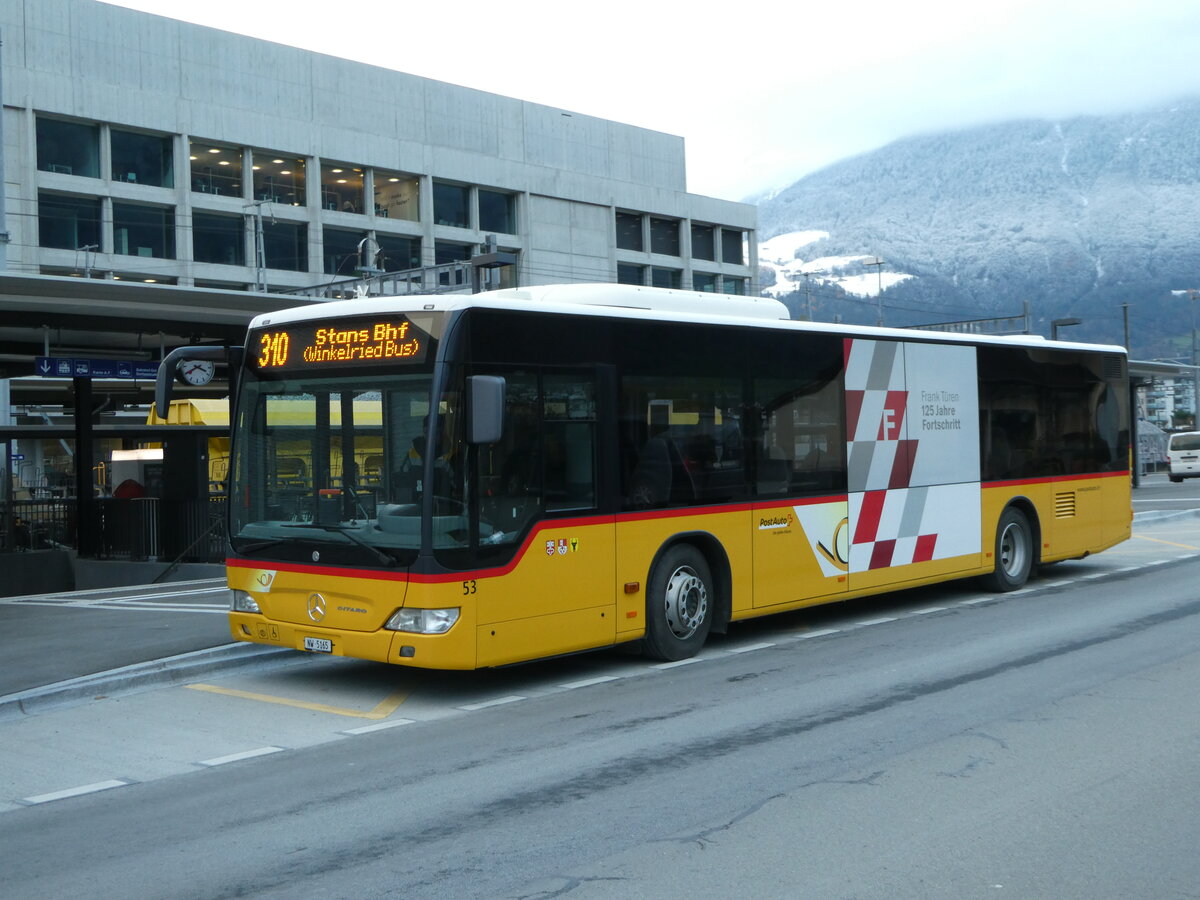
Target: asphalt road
(938, 743)
(1157, 494)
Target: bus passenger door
(799, 520)
(540, 487)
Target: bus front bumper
(453, 650)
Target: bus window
(802, 449)
(682, 441)
(509, 472)
(568, 438)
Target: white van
(1183, 456)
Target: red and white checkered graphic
(893, 521)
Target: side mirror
(485, 409)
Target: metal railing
(135, 529)
(44, 524)
(447, 278)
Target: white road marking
(378, 726)
(588, 682)
(677, 663)
(75, 791)
(499, 701)
(748, 648)
(235, 757)
(865, 622)
(816, 634)
(927, 610)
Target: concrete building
(143, 148)
(165, 182)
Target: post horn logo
(316, 607)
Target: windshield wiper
(385, 558)
(260, 545)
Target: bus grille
(1064, 505)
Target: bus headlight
(240, 601)
(422, 621)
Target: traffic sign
(64, 367)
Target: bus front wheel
(679, 604)
(1014, 552)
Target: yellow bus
(561, 468)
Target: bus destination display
(330, 343)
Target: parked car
(1183, 456)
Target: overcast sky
(762, 93)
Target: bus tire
(1014, 552)
(679, 604)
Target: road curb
(1153, 515)
(169, 670)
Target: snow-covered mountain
(1075, 217)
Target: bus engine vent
(1064, 505)
(1114, 368)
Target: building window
(278, 178)
(68, 223)
(703, 281)
(143, 230)
(450, 204)
(665, 278)
(629, 232)
(704, 244)
(446, 252)
(342, 187)
(397, 196)
(396, 254)
(341, 251)
(664, 236)
(286, 245)
(497, 212)
(69, 148)
(218, 239)
(732, 242)
(145, 277)
(216, 168)
(142, 158)
(628, 273)
(731, 285)
(222, 285)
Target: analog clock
(197, 372)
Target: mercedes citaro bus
(469, 481)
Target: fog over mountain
(1075, 216)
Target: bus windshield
(330, 468)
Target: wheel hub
(686, 602)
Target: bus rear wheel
(679, 604)
(1014, 552)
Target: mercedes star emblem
(316, 607)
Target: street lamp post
(877, 262)
(807, 294)
(1192, 294)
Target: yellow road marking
(381, 711)
(1169, 543)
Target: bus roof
(634, 301)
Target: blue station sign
(62, 367)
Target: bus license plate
(318, 645)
